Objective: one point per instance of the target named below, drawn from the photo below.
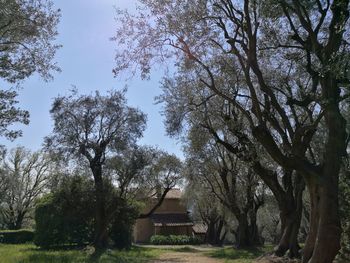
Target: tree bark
(219, 238)
(214, 232)
(289, 236)
(242, 234)
(19, 221)
(290, 215)
(314, 194)
(329, 230)
(101, 224)
(247, 234)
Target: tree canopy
(282, 77)
(91, 127)
(28, 30)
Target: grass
(185, 249)
(232, 255)
(28, 253)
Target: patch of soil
(180, 257)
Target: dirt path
(184, 257)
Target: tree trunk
(327, 240)
(215, 226)
(101, 224)
(247, 234)
(289, 237)
(242, 234)
(255, 237)
(291, 212)
(219, 239)
(308, 249)
(19, 221)
(210, 238)
(329, 230)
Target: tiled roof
(200, 228)
(171, 219)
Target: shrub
(122, 225)
(175, 240)
(65, 217)
(16, 236)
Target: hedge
(175, 240)
(16, 236)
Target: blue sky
(87, 60)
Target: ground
(29, 253)
(185, 257)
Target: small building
(171, 218)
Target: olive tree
(232, 182)
(140, 172)
(206, 208)
(282, 65)
(93, 127)
(202, 116)
(27, 36)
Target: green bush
(175, 240)
(16, 236)
(121, 228)
(65, 217)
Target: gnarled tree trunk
(101, 224)
(290, 214)
(327, 239)
(247, 234)
(214, 234)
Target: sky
(87, 60)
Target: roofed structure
(170, 218)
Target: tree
(25, 176)
(28, 31)
(234, 185)
(144, 171)
(92, 127)
(10, 114)
(287, 73)
(206, 208)
(207, 117)
(164, 173)
(27, 34)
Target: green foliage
(122, 226)
(65, 216)
(88, 124)
(344, 200)
(27, 35)
(175, 240)
(16, 236)
(28, 31)
(10, 114)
